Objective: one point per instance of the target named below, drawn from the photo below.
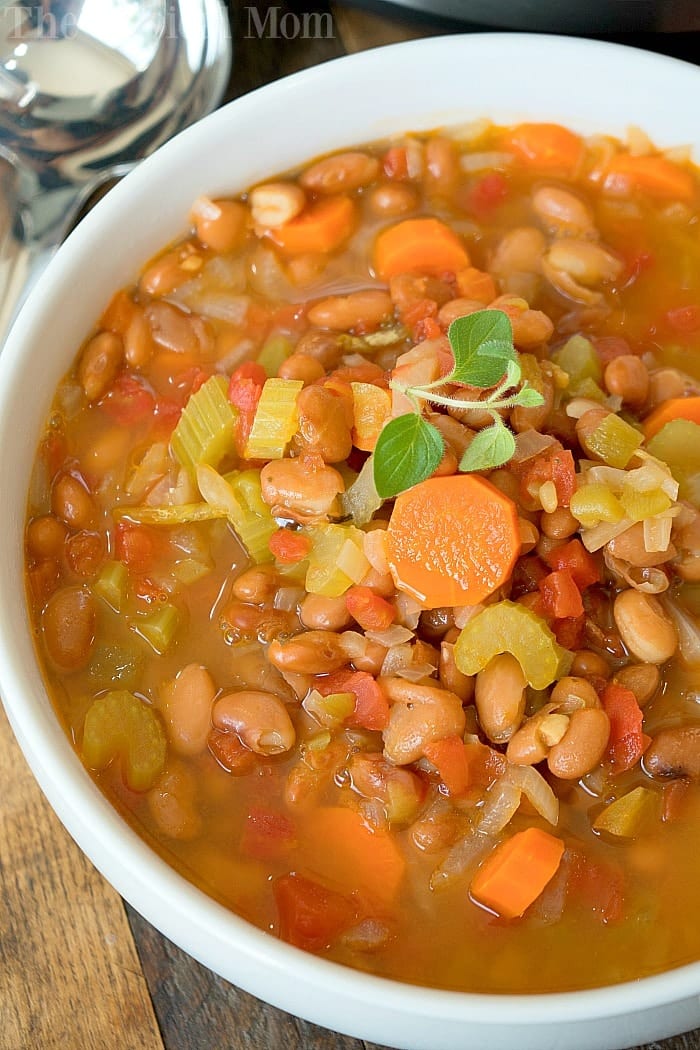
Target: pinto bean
(644, 627)
(451, 677)
(500, 697)
(520, 250)
(526, 747)
(185, 703)
(571, 693)
(312, 652)
(342, 313)
(46, 536)
(276, 203)
(173, 804)
(629, 547)
(260, 719)
(582, 746)
(176, 330)
(642, 679)
(628, 377)
(68, 627)
(99, 364)
(257, 584)
(563, 212)
(322, 346)
(247, 620)
(340, 173)
(420, 714)
(324, 426)
(301, 366)
(72, 502)
(373, 776)
(587, 664)
(586, 262)
(455, 308)
(220, 224)
(303, 489)
(674, 752)
(558, 524)
(667, 383)
(531, 328)
(441, 165)
(324, 614)
(391, 199)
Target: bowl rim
(94, 824)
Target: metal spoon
(88, 88)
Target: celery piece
(627, 815)
(158, 628)
(614, 441)
(204, 433)
(324, 576)
(111, 584)
(190, 570)
(587, 388)
(238, 496)
(319, 741)
(178, 514)
(352, 560)
(119, 726)
(114, 664)
(275, 351)
(678, 445)
(402, 802)
(507, 627)
(641, 505)
(594, 503)
(275, 421)
(578, 358)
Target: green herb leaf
(491, 448)
(482, 344)
(408, 450)
(528, 397)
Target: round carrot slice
(419, 246)
(321, 228)
(452, 540)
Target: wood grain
(69, 972)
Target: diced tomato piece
(310, 916)
(267, 835)
(232, 754)
(371, 705)
(289, 547)
(627, 742)
(119, 313)
(608, 347)
(395, 163)
(486, 195)
(151, 591)
(597, 886)
(167, 413)
(536, 603)
(684, 319)
(127, 401)
(372, 612)
(561, 595)
(484, 764)
(43, 579)
(557, 466)
(574, 557)
(450, 759)
(244, 390)
(673, 799)
(427, 329)
(416, 312)
(134, 545)
(53, 452)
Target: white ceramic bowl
(590, 86)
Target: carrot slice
(352, 856)
(418, 246)
(655, 176)
(449, 756)
(675, 408)
(321, 228)
(452, 540)
(517, 871)
(547, 148)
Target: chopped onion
(536, 789)
(415, 672)
(638, 142)
(394, 635)
(221, 306)
(414, 159)
(595, 538)
(502, 800)
(354, 645)
(470, 133)
(648, 580)
(489, 159)
(397, 658)
(464, 613)
(375, 548)
(288, 598)
(688, 632)
(461, 861)
(657, 533)
(360, 500)
(205, 208)
(408, 610)
(353, 359)
(531, 443)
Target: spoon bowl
(87, 89)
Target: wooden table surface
(79, 969)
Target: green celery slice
(204, 433)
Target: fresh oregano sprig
(410, 448)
